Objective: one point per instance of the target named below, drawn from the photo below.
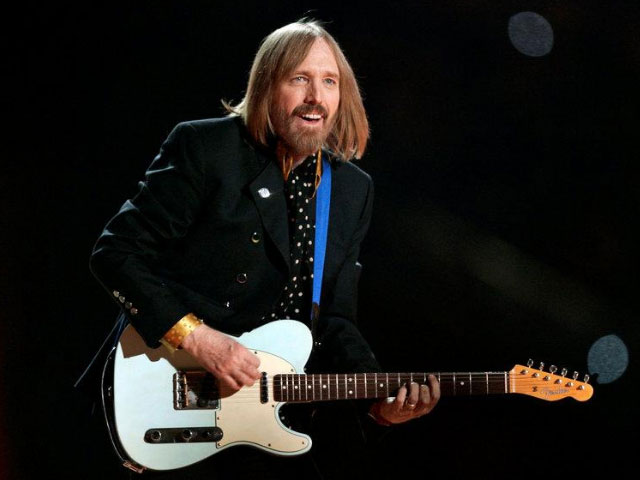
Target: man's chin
(305, 143)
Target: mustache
(305, 109)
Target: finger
(251, 372)
(243, 379)
(253, 359)
(435, 389)
(413, 396)
(425, 395)
(401, 396)
(230, 383)
(423, 406)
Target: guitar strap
(323, 201)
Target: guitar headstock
(547, 385)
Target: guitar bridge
(195, 390)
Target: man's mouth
(311, 117)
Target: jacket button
(128, 305)
(134, 311)
(255, 237)
(116, 293)
(121, 298)
(241, 278)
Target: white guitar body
(143, 399)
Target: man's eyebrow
(325, 73)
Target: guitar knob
(575, 375)
(564, 372)
(586, 378)
(553, 369)
(541, 366)
(529, 363)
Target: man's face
(306, 101)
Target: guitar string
(338, 390)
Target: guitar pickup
(195, 390)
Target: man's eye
(330, 81)
(299, 79)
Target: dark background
(505, 223)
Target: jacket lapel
(267, 190)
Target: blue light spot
(531, 34)
(608, 358)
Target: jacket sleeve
(125, 256)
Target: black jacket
(199, 237)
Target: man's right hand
(228, 361)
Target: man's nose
(314, 93)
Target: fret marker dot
(350, 392)
(324, 386)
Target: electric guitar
(164, 412)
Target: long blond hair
(279, 55)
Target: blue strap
(323, 200)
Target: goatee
(301, 141)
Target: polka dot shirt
(295, 300)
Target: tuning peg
(575, 375)
(564, 372)
(529, 363)
(553, 369)
(586, 380)
(541, 366)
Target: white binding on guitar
(168, 413)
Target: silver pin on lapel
(264, 192)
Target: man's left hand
(409, 403)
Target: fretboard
(321, 387)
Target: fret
(505, 382)
(487, 377)
(470, 385)
(345, 383)
(454, 384)
(365, 386)
(297, 386)
(325, 387)
(313, 386)
(387, 384)
(375, 375)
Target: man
(220, 237)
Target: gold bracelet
(183, 327)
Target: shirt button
(121, 298)
(134, 311)
(128, 305)
(255, 237)
(241, 278)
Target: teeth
(312, 117)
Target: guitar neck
(297, 388)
